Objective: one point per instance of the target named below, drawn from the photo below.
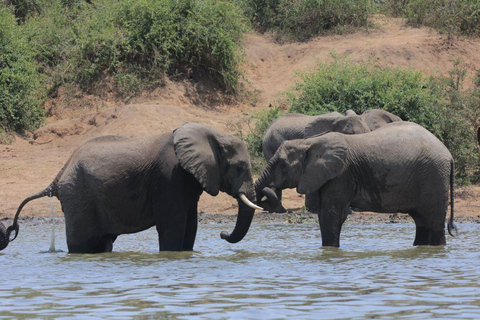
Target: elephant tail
(50, 191)
(451, 225)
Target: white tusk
(249, 203)
(264, 198)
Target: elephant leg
(422, 232)
(171, 230)
(430, 228)
(312, 202)
(436, 226)
(191, 229)
(331, 222)
(84, 234)
(106, 243)
(97, 244)
(437, 237)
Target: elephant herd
(115, 185)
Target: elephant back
(289, 127)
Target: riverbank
(266, 218)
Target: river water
(277, 271)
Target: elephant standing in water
(115, 185)
(299, 126)
(400, 167)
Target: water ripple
(278, 271)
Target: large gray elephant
(400, 167)
(115, 185)
(299, 126)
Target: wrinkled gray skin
(300, 126)
(115, 185)
(400, 167)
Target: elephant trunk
(267, 196)
(262, 182)
(244, 216)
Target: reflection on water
(278, 271)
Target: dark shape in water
(3, 236)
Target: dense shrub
(453, 17)
(20, 81)
(23, 8)
(342, 85)
(137, 42)
(147, 39)
(300, 20)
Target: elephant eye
(239, 168)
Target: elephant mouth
(270, 200)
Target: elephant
(299, 126)
(116, 185)
(401, 167)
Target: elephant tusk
(245, 200)
(264, 198)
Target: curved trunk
(262, 182)
(272, 203)
(244, 219)
(244, 215)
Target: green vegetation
(436, 103)
(452, 17)
(343, 85)
(301, 20)
(130, 44)
(20, 82)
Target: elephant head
(303, 164)
(376, 118)
(219, 162)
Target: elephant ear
(320, 125)
(377, 118)
(325, 159)
(197, 151)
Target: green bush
(453, 17)
(23, 8)
(147, 39)
(342, 85)
(137, 43)
(51, 33)
(301, 20)
(21, 96)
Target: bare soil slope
(29, 165)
